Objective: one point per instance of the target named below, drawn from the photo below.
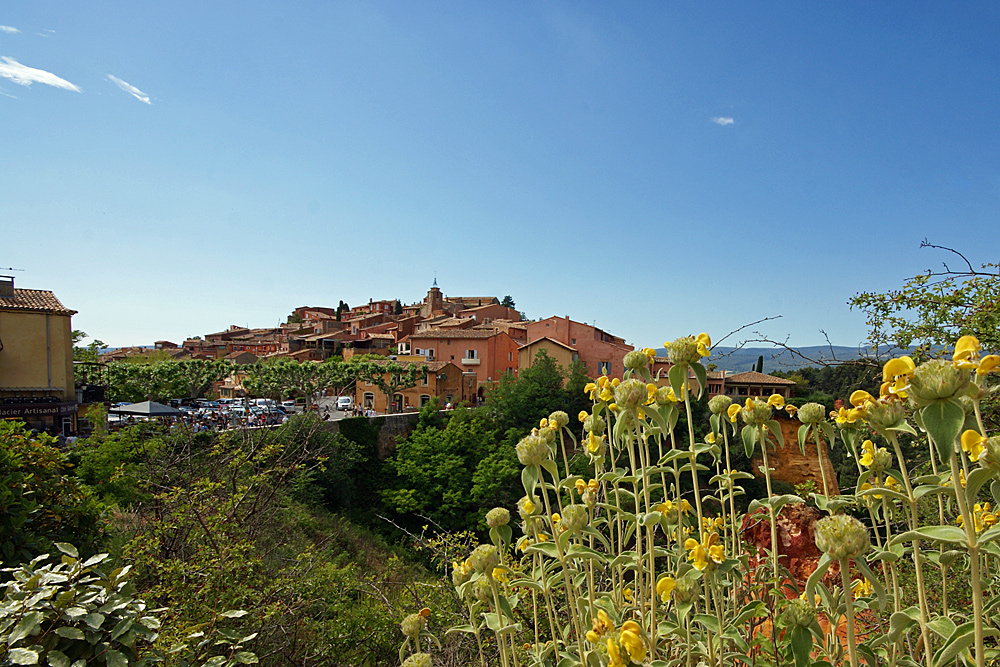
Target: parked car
(345, 402)
(288, 405)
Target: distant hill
(776, 359)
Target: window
(423, 381)
(470, 354)
(368, 400)
(603, 367)
(424, 399)
(510, 356)
(574, 341)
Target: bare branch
(745, 326)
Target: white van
(345, 403)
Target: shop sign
(37, 410)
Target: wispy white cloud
(45, 33)
(723, 120)
(130, 89)
(7, 28)
(5, 93)
(25, 76)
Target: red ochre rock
(797, 548)
(790, 465)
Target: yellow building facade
(36, 359)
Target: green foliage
(40, 501)
(934, 308)
(157, 380)
(452, 474)
(538, 391)
(68, 611)
(112, 464)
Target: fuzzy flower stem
(968, 522)
(914, 523)
(819, 456)
(845, 578)
(770, 508)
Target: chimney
(6, 285)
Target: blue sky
(657, 168)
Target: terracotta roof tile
(455, 333)
(756, 378)
(36, 300)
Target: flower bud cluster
(719, 404)
(533, 450)
(683, 350)
(798, 612)
(635, 360)
(498, 516)
(811, 413)
(756, 412)
(413, 625)
(418, 660)
(631, 393)
(936, 380)
(574, 518)
(884, 414)
(559, 418)
(841, 536)
(594, 424)
(484, 558)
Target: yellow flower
(500, 575)
(861, 397)
(523, 544)
(989, 364)
(862, 587)
(967, 352)
(627, 594)
(614, 656)
(583, 413)
(704, 344)
(631, 640)
(650, 353)
(606, 394)
(664, 587)
(776, 401)
(651, 390)
(603, 381)
(615, 382)
(844, 416)
(982, 517)
(868, 447)
(591, 390)
(543, 423)
(791, 410)
(581, 486)
(732, 411)
(603, 623)
(543, 537)
(972, 443)
(594, 486)
(708, 550)
(898, 372)
(710, 438)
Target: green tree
(507, 302)
(41, 502)
(451, 475)
(935, 308)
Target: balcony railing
(470, 361)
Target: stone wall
(393, 429)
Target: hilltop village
(466, 343)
